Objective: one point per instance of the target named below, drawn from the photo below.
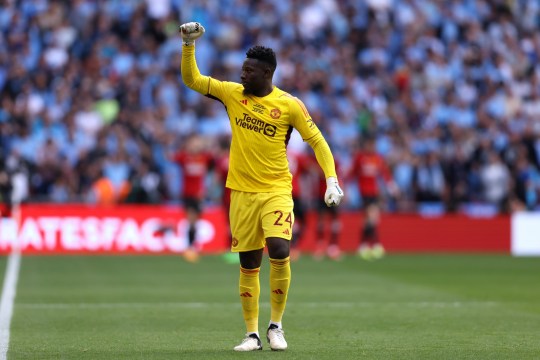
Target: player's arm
(311, 134)
(323, 154)
(191, 76)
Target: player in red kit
(221, 169)
(327, 215)
(370, 169)
(195, 163)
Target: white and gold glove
(190, 32)
(333, 194)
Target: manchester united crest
(275, 113)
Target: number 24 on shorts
(279, 221)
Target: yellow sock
(249, 296)
(280, 279)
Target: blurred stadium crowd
(450, 90)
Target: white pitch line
(8, 298)
(204, 305)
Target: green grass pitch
(161, 307)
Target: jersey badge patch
(275, 113)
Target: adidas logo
(278, 291)
(245, 294)
(244, 101)
(286, 232)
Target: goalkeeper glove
(190, 32)
(333, 194)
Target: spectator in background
(117, 168)
(496, 182)
(403, 174)
(17, 190)
(5, 189)
(527, 185)
(455, 175)
(103, 191)
(146, 185)
(429, 181)
(48, 166)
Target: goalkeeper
(262, 117)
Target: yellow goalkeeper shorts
(254, 217)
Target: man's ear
(268, 72)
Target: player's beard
(247, 90)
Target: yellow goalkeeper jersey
(261, 128)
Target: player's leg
(193, 213)
(298, 227)
(369, 231)
(192, 207)
(192, 217)
(280, 280)
(277, 222)
(248, 241)
(366, 235)
(374, 213)
(250, 289)
(229, 257)
(333, 251)
(320, 244)
(280, 276)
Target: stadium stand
(90, 90)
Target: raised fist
(190, 32)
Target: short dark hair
(263, 54)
